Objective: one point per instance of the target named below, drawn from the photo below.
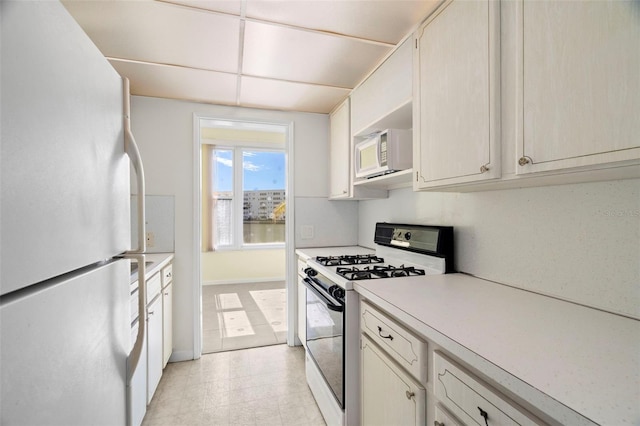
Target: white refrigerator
(66, 149)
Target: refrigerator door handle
(131, 148)
(136, 351)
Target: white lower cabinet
(389, 395)
(167, 323)
(154, 346)
(167, 313)
(393, 371)
(157, 340)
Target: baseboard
(179, 356)
(243, 281)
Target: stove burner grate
(359, 259)
(354, 273)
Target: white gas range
(332, 307)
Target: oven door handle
(322, 295)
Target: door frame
(290, 270)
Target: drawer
(472, 401)
(443, 418)
(302, 265)
(402, 345)
(153, 287)
(167, 275)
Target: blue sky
(261, 170)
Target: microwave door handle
(322, 296)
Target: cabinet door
(383, 93)
(340, 152)
(167, 323)
(580, 68)
(456, 103)
(389, 395)
(154, 346)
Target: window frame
(237, 207)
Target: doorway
(243, 232)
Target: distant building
(264, 205)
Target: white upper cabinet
(456, 120)
(383, 100)
(341, 169)
(339, 152)
(580, 84)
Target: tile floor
(238, 316)
(258, 386)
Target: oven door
(325, 334)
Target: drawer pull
(390, 337)
(484, 415)
(437, 423)
(410, 394)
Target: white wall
(578, 242)
(230, 266)
(164, 131)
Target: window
(248, 196)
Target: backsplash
(321, 223)
(577, 242)
(160, 220)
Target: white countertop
(560, 357)
(158, 261)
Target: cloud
(225, 161)
(248, 165)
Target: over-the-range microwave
(388, 151)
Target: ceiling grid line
(243, 10)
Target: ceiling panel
(305, 56)
(159, 32)
(301, 55)
(381, 20)
(263, 93)
(172, 82)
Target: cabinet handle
(484, 168)
(151, 312)
(390, 337)
(166, 294)
(437, 423)
(410, 394)
(484, 415)
(524, 161)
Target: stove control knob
(407, 236)
(311, 272)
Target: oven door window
(325, 342)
